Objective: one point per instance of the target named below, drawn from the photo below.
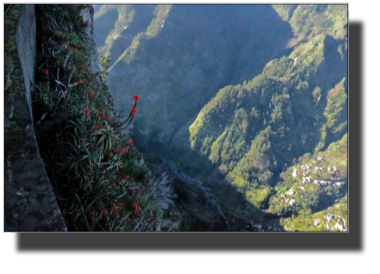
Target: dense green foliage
(254, 131)
(98, 176)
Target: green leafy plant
(91, 161)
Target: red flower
(135, 97)
(75, 45)
(121, 205)
(116, 150)
(111, 154)
(138, 210)
(86, 111)
(57, 135)
(80, 66)
(62, 35)
(114, 207)
(92, 213)
(67, 39)
(46, 72)
(106, 117)
(96, 125)
(130, 141)
(79, 81)
(75, 50)
(68, 48)
(134, 204)
(90, 93)
(118, 164)
(92, 163)
(105, 212)
(127, 176)
(133, 110)
(153, 222)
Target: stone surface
(29, 202)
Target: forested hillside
(239, 97)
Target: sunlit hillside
(236, 97)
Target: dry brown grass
(300, 36)
(292, 42)
(316, 90)
(335, 91)
(223, 169)
(255, 163)
(295, 40)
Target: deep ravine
(206, 191)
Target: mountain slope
(187, 54)
(317, 181)
(235, 94)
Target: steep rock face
(30, 204)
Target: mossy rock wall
(29, 202)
